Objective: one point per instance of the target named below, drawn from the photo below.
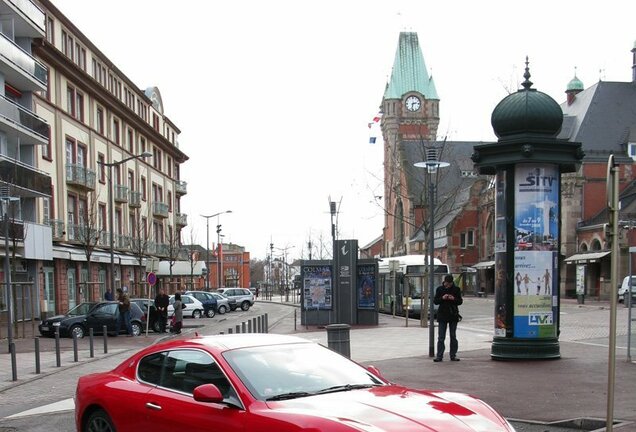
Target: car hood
(395, 408)
(59, 318)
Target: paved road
(546, 391)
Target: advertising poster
(500, 294)
(580, 279)
(317, 290)
(366, 287)
(534, 282)
(500, 212)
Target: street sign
(151, 279)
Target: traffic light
(218, 229)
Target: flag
(375, 120)
(371, 140)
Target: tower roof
(409, 70)
(575, 84)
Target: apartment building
(23, 187)
(114, 160)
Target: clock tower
(410, 108)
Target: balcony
(161, 249)
(134, 199)
(79, 175)
(181, 219)
(27, 179)
(160, 209)
(29, 19)
(23, 123)
(20, 68)
(57, 228)
(181, 187)
(104, 239)
(122, 241)
(83, 234)
(120, 194)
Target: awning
(181, 268)
(586, 257)
(98, 256)
(484, 265)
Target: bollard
(90, 342)
(338, 338)
(254, 324)
(58, 358)
(229, 331)
(238, 329)
(259, 326)
(104, 329)
(37, 355)
(243, 327)
(267, 324)
(14, 366)
(249, 326)
(75, 356)
(295, 319)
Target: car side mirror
(207, 393)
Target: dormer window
(631, 150)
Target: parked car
(243, 297)
(148, 308)
(624, 288)
(264, 382)
(80, 319)
(223, 304)
(207, 300)
(193, 307)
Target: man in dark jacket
(448, 296)
(162, 301)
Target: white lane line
(63, 405)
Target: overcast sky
(273, 97)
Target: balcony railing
(121, 193)
(31, 11)
(83, 234)
(57, 228)
(134, 199)
(160, 209)
(80, 176)
(104, 239)
(22, 60)
(161, 249)
(23, 118)
(122, 241)
(24, 176)
(181, 187)
(181, 219)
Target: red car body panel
(133, 405)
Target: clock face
(413, 103)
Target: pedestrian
(448, 296)
(108, 295)
(124, 312)
(178, 313)
(161, 304)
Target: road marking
(63, 405)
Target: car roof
(220, 343)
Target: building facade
(115, 164)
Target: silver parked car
(223, 304)
(244, 297)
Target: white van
(622, 290)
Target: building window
(46, 206)
(102, 169)
(470, 238)
(99, 124)
(169, 201)
(131, 141)
(142, 145)
(155, 122)
(46, 149)
(50, 30)
(631, 148)
(79, 106)
(102, 217)
(116, 131)
(70, 100)
(143, 188)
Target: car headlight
(56, 324)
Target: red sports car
(264, 383)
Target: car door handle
(153, 406)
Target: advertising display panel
(317, 289)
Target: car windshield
(296, 370)
(81, 309)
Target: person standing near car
(108, 295)
(448, 296)
(124, 312)
(178, 313)
(161, 304)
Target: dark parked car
(207, 300)
(153, 316)
(93, 315)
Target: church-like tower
(410, 107)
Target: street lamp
(6, 202)
(285, 272)
(111, 205)
(207, 244)
(431, 164)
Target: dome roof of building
(575, 84)
(527, 111)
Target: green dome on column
(527, 111)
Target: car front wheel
(210, 313)
(196, 313)
(136, 328)
(222, 309)
(99, 421)
(78, 331)
(245, 305)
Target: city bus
(402, 279)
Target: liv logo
(539, 319)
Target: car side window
(149, 368)
(186, 300)
(105, 309)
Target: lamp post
(285, 272)
(6, 201)
(111, 205)
(431, 164)
(207, 244)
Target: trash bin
(338, 338)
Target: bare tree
(174, 247)
(140, 240)
(90, 232)
(193, 257)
